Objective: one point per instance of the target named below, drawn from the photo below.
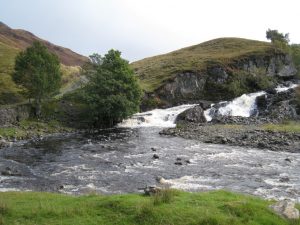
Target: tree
(112, 93)
(38, 71)
(275, 36)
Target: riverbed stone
(155, 156)
(286, 209)
(152, 190)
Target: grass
(30, 128)
(289, 126)
(153, 72)
(215, 208)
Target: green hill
(155, 71)
(12, 41)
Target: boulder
(4, 143)
(155, 156)
(286, 209)
(195, 114)
(151, 190)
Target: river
(121, 160)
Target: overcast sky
(143, 28)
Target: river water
(121, 160)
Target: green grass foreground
(170, 207)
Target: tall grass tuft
(164, 196)
(3, 209)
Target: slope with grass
(214, 70)
(12, 41)
(171, 207)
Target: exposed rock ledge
(211, 84)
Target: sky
(144, 28)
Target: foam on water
(281, 88)
(155, 118)
(243, 106)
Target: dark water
(121, 161)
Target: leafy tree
(279, 40)
(274, 36)
(112, 93)
(38, 71)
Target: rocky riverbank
(264, 128)
(239, 135)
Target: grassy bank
(173, 207)
(32, 128)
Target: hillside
(214, 70)
(154, 71)
(21, 39)
(12, 41)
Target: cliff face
(193, 86)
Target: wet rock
(286, 209)
(205, 104)
(261, 145)
(151, 190)
(155, 156)
(141, 119)
(160, 180)
(288, 160)
(195, 114)
(4, 143)
(284, 179)
(9, 172)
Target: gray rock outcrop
(186, 87)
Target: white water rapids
(155, 118)
(244, 106)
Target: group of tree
(112, 93)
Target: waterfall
(244, 106)
(155, 118)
